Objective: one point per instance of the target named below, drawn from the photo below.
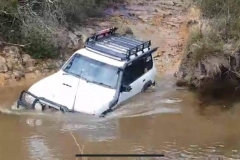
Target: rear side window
(136, 69)
(148, 62)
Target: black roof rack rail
(115, 45)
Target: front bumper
(43, 101)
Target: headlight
(29, 99)
(38, 106)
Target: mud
(162, 22)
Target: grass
(213, 46)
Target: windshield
(93, 71)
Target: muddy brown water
(162, 120)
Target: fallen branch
(13, 44)
(4, 12)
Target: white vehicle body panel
(137, 85)
(79, 95)
(89, 97)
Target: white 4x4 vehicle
(109, 70)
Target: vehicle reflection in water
(163, 120)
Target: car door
(149, 70)
(133, 76)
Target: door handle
(144, 80)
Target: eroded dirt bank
(163, 22)
(210, 64)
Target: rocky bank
(16, 66)
(164, 22)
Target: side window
(133, 71)
(148, 62)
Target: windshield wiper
(88, 81)
(72, 74)
(102, 84)
(78, 76)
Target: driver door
(133, 76)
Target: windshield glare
(93, 71)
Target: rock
(179, 74)
(30, 76)
(168, 3)
(18, 66)
(125, 30)
(228, 47)
(181, 83)
(102, 24)
(6, 50)
(192, 22)
(143, 18)
(84, 33)
(44, 65)
(13, 60)
(18, 75)
(26, 57)
(30, 63)
(30, 69)
(11, 51)
(3, 68)
(7, 76)
(128, 30)
(2, 60)
(9, 65)
(74, 38)
(2, 79)
(53, 71)
(37, 72)
(45, 71)
(59, 64)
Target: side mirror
(126, 88)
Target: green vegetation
(212, 52)
(42, 24)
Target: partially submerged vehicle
(110, 69)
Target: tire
(147, 85)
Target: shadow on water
(221, 95)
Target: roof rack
(113, 45)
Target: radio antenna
(77, 89)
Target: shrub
(38, 22)
(40, 45)
(212, 51)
